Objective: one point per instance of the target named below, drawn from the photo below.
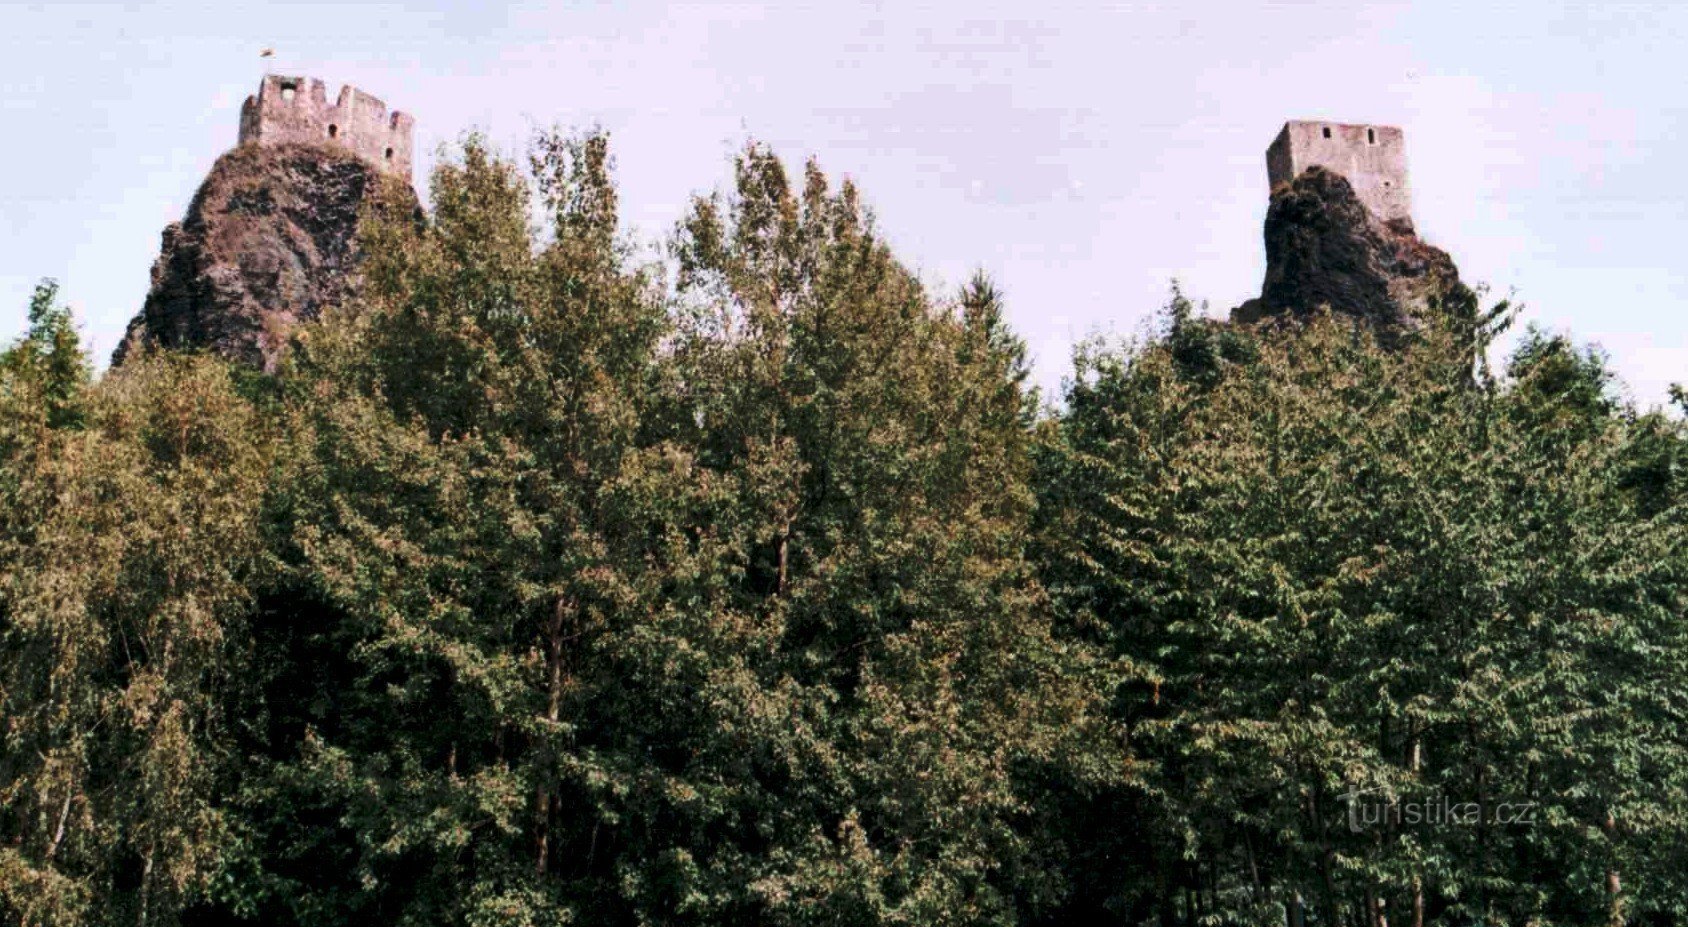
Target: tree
(468, 520)
(126, 552)
(1348, 572)
(47, 364)
(882, 445)
(629, 626)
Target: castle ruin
(296, 110)
(1373, 159)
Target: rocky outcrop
(1325, 249)
(269, 240)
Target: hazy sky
(1084, 155)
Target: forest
(751, 583)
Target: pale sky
(1083, 155)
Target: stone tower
(1373, 159)
(296, 110)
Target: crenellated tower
(296, 110)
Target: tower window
(1371, 137)
(1327, 131)
(288, 89)
(389, 154)
(333, 130)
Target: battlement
(296, 110)
(1372, 158)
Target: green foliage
(881, 450)
(623, 616)
(46, 368)
(542, 585)
(1342, 570)
(126, 556)
(1561, 389)
(471, 522)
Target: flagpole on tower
(268, 55)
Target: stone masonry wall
(296, 110)
(1373, 159)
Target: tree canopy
(552, 580)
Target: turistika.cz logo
(1432, 811)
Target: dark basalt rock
(268, 242)
(1325, 249)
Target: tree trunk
(1165, 893)
(1414, 756)
(1256, 892)
(1614, 884)
(146, 888)
(1332, 908)
(553, 710)
(1375, 909)
(785, 547)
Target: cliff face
(1323, 248)
(268, 241)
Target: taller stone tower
(1339, 234)
(296, 110)
(1372, 158)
